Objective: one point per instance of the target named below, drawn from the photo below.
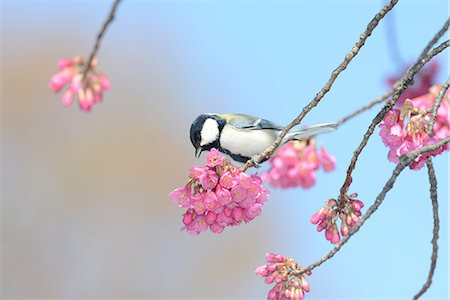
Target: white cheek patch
(210, 132)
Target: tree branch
(348, 58)
(405, 160)
(434, 203)
(435, 106)
(405, 81)
(105, 26)
(391, 91)
(436, 38)
(380, 99)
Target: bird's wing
(248, 122)
(311, 131)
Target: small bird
(243, 137)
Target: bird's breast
(246, 142)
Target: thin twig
(436, 38)
(380, 99)
(348, 58)
(405, 160)
(389, 93)
(405, 81)
(105, 26)
(435, 106)
(434, 203)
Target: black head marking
(196, 129)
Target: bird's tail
(310, 131)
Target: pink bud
(301, 294)
(269, 279)
(104, 82)
(344, 229)
(65, 62)
(216, 228)
(304, 284)
(279, 258)
(227, 211)
(349, 220)
(270, 257)
(187, 218)
(272, 267)
(59, 80)
(89, 96)
(335, 237)
(262, 271)
(210, 218)
(98, 97)
(238, 214)
(354, 217)
(328, 234)
(320, 215)
(67, 98)
(76, 83)
(357, 205)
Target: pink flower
(214, 158)
(88, 90)
(208, 180)
(347, 209)
(227, 180)
(217, 203)
(405, 130)
(181, 197)
(284, 272)
(296, 164)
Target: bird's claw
(254, 161)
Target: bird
(243, 137)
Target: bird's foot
(255, 162)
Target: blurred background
(85, 211)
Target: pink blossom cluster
(426, 78)
(348, 210)
(405, 130)
(296, 164)
(89, 89)
(219, 195)
(284, 272)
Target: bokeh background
(85, 211)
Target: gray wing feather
(311, 131)
(250, 122)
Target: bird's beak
(198, 151)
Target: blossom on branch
(219, 195)
(296, 164)
(88, 89)
(284, 272)
(347, 209)
(403, 130)
(423, 81)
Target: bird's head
(205, 132)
